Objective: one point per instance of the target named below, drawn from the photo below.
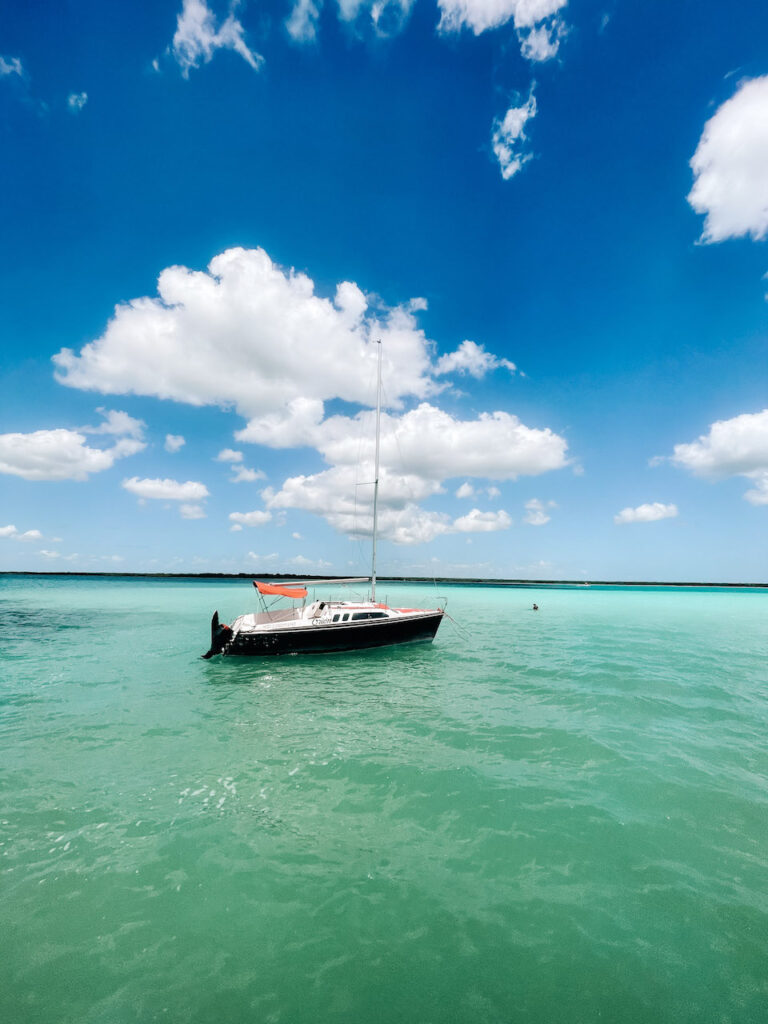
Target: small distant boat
(324, 627)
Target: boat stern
(221, 634)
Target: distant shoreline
(444, 580)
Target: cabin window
(368, 615)
(335, 618)
(344, 619)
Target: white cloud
(117, 423)
(480, 15)
(241, 474)
(301, 562)
(729, 166)
(482, 522)
(401, 520)
(11, 531)
(295, 425)
(735, 447)
(758, 495)
(256, 518)
(536, 512)
(197, 37)
(430, 444)
(288, 344)
(263, 558)
(11, 66)
(228, 455)
(76, 101)
(302, 22)
(647, 513)
(192, 511)
(509, 138)
(296, 536)
(466, 490)
(472, 359)
(541, 43)
(493, 492)
(57, 554)
(294, 351)
(173, 442)
(419, 451)
(387, 17)
(59, 455)
(166, 490)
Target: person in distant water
(535, 607)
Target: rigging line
(464, 634)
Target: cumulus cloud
(482, 522)
(156, 489)
(302, 562)
(263, 558)
(256, 518)
(509, 138)
(428, 443)
(473, 359)
(420, 450)
(729, 166)
(758, 495)
(229, 455)
(481, 15)
(536, 512)
(289, 345)
(11, 531)
(117, 423)
(76, 101)
(60, 454)
(647, 513)
(735, 447)
(173, 442)
(198, 37)
(293, 352)
(294, 425)
(241, 475)
(466, 490)
(333, 495)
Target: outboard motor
(221, 634)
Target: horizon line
(452, 580)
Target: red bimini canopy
(275, 588)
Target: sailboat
(325, 626)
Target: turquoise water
(558, 816)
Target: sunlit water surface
(552, 816)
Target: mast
(376, 476)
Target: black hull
(336, 637)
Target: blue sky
(552, 213)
